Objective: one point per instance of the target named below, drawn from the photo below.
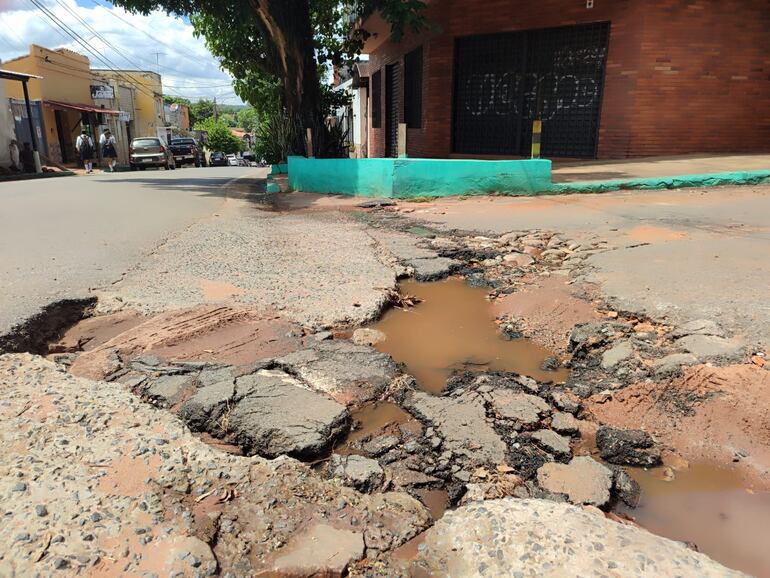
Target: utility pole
(216, 114)
(157, 61)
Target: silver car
(150, 151)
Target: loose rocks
(584, 480)
(366, 336)
(342, 370)
(463, 424)
(627, 447)
(321, 551)
(552, 442)
(709, 346)
(524, 409)
(275, 415)
(364, 474)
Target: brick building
(609, 78)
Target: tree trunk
(288, 26)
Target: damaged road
(230, 410)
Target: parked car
(218, 159)
(150, 151)
(186, 151)
(232, 160)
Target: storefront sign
(124, 116)
(101, 91)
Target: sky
(187, 67)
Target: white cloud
(187, 67)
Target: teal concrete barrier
(409, 178)
(443, 178)
(279, 169)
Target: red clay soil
(208, 333)
(95, 331)
(732, 422)
(547, 310)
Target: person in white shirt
(85, 147)
(107, 142)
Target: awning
(80, 107)
(13, 75)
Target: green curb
(657, 183)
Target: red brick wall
(682, 76)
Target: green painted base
(273, 187)
(279, 169)
(675, 182)
(405, 178)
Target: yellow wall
(66, 75)
(66, 78)
(148, 102)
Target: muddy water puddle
(374, 419)
(453, 329)
(710, 507)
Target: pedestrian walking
(107, 142)
(85, 147)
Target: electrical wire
(88, 47)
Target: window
(413, 88)
(376, 99)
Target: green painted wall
(442, 178)
(362, 177)
(408, 178)
(279, 169)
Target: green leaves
(220, 137)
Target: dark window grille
(377, 99)
(504, 81)
(413, 88)
(393, 97)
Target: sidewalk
(652, 167)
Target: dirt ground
(728, 423)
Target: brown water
(453, 329)
(435, 500)
(374, 419)
(709, 507)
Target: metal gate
(504, 81)
(19, 112)
(392, 102)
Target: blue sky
(127, 41)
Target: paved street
(61, 237)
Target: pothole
(710, 507)
(453, 330)
(34, 334)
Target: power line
(85, 44)
(153, 38)
(122, 52)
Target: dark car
(150, 151)
(218, 159)
(186, 151)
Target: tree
(167, 99)
(248, 119)
(220, 138)
(278, 44)
(201, 110)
